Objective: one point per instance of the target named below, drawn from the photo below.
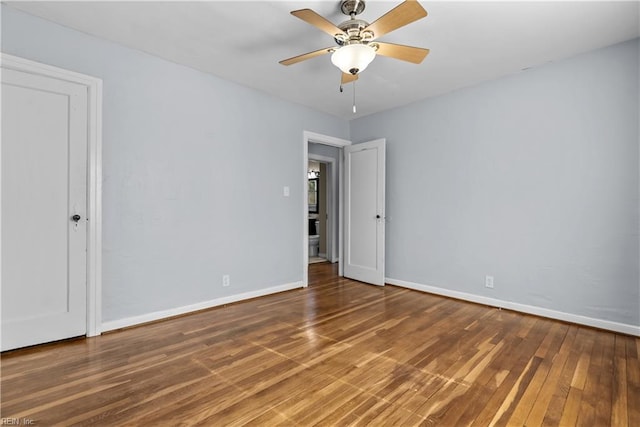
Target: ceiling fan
(355, 37)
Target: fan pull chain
(354, 97)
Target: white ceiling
(243, 41)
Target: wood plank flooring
(337, 353)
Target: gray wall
(194, 169)
(532, 178)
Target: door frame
(318, 138)
(94, 176)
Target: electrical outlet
(488, 282)
(226, 281)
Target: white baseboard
(157, 315)
(523, 308)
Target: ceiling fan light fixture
(353, 58)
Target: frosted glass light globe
(353, 58)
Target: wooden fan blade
(311, 17)
(403, 14)
(402, 52)
(348, 78)
(306, 56)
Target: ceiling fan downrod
(352, 7)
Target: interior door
(44, 191)
(364, 211)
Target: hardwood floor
(337, 353)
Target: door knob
(377, 216)
(75, 218)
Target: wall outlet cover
(488, 282)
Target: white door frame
(318, 138)
(94, 177)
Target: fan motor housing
(353, 29)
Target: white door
(44, 186)
(364, 212)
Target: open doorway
(321, 192)
(325, 150)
